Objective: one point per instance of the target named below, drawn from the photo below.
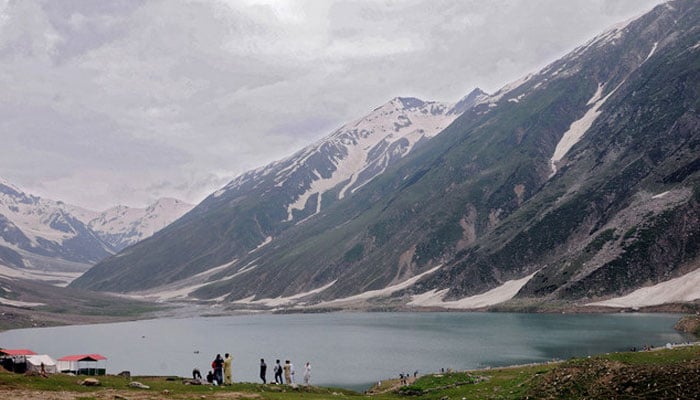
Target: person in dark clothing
(210, 377)
(263, 370)
(278, 372)
(196, 375)
(218, 365)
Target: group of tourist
(221, 373)
(288, 370)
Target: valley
(574, 188)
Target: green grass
(662, 357)
(495, 383)
(431, 383)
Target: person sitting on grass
(210, 377)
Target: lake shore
(35, 317)
(663, 373)
(371, 346)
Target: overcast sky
(123, 102)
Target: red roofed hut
(15, 360)
(82, 364)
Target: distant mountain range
(40, 236)
(575, 185)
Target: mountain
(575, 185)
(47, 235)
(123, 226)
(260, 205)
(51, 240)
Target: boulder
(89, 382)
(138, 385)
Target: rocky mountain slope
(576, 184)
(50, 240)
(262, 204)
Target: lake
(351, 350)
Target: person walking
(263, 370)
(218, 365)
(227, 369)
(287, 372)
(307, 374)
(291, 371)
(277, 369)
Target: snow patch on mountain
(651, 53)
(492, 100)
(505, 292)
(20, 304)
(56, 278)
(609, 36)
(182, 289)
(579, 127)
(682, 289)
(660, 195)
(122, 226)
(265, 242)
(395, 127)
(283, 301)
(387, 291)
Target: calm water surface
(351, 350)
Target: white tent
(34, 363)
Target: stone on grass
(138, 385)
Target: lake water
(351, 350)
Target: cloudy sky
(123, 102)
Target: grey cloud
(120, 101)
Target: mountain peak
(168, 201)
(468, 101)
(8, 188)
(408, 102)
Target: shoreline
(622, 372)
(24, 318)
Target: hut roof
(83, 357)
(17, 352)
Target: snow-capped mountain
(578, 185)
(123, 226)
(354, 154)
(259, 205)
(44, 235)
(34, 231)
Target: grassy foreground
(662, 374)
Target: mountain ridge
(553, 177)
(259, 205)
(44, 235)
